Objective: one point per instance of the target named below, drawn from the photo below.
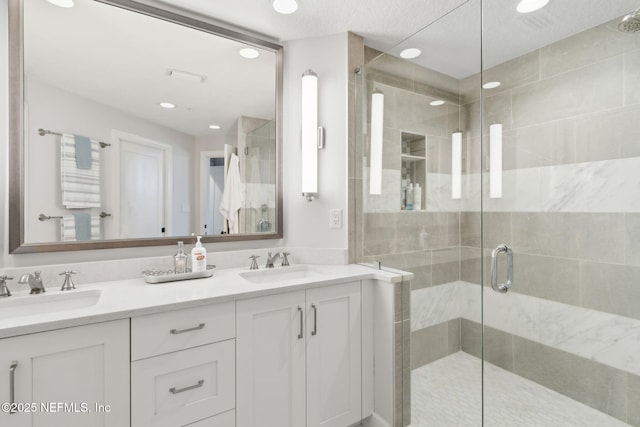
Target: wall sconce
(377, 129)
(495, 161)
(456, 165)
(312, 135)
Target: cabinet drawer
(228, 419)
(179, 388)
(180, 329)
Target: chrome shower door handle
(503, 287)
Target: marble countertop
(134, 297)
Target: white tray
(173, 277)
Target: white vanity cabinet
(299, 358)
(74, 377)
(183, 367)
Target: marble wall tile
(454, 328)
(564, 189)
(391, 148)
(429, 344)
(434, 305)
(453, 229)
(596, 87)
(545, 144)
(632, 78)
(445, 265)
(587, 236)
(498, 345)
(610, 135)
(516, 72)
(611, 288)
(632, 239)
(633, 396)
(471, 337)
(497, 109)
(415, 115)
(613, 186)
(593, 384)
(379, 233)
(585, 48)
(551, 278)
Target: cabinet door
(333, 356)
(70, 375)
(270, 361)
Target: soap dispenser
(198, 257)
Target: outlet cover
(335, 218)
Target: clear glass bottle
(180, 260)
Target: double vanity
(290, 346)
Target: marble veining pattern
(447, 393)
(436, 304)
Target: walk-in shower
(561, 347)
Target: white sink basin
(30, 305)
(280, 274)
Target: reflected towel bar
(44, 217)
(43, 132)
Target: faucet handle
(68, 283)
(254, 263)
(285, 260)
(4, 290)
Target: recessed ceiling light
(62, 3)
(491, 85)
(437, 102)
(167, 105)
(410, 53)
(285, 7)
(215, 127)
(249, 53)
(526, 6)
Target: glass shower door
(559, 182)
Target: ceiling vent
(185, 75)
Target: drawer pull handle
(315, 320)
(182, 331)
(12, 386)
(174, 390)
(301, 333)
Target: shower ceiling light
(491, 85)
(167, 105)
(214, 127)
(62, 3)
(410, 53)
(437, 103)
(285, 7)
(527, 6)
(249, 53)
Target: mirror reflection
(136, 127)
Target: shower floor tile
(447, 393)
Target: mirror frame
(17, 245)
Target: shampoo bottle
(417, 197)
(410, 197)
(198, 257)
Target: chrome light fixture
(312, 135)
(456, 165)
(377, 127)
(495, 161)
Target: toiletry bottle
(198, 257)
(180, 260)
(409, 197)
(403, 195)
(417, 197)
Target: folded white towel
(80, 187)
(68, 228)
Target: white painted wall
(307, 223)
(61, 111)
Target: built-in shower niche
(414, 166)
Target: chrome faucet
(272, 259)
(68, 283)
(34, 281)
(4, 290)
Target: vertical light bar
(456, 165)
(309, 134)
(495, 161)
(377, 126)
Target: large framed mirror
(133, 125)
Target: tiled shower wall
(570, 210)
